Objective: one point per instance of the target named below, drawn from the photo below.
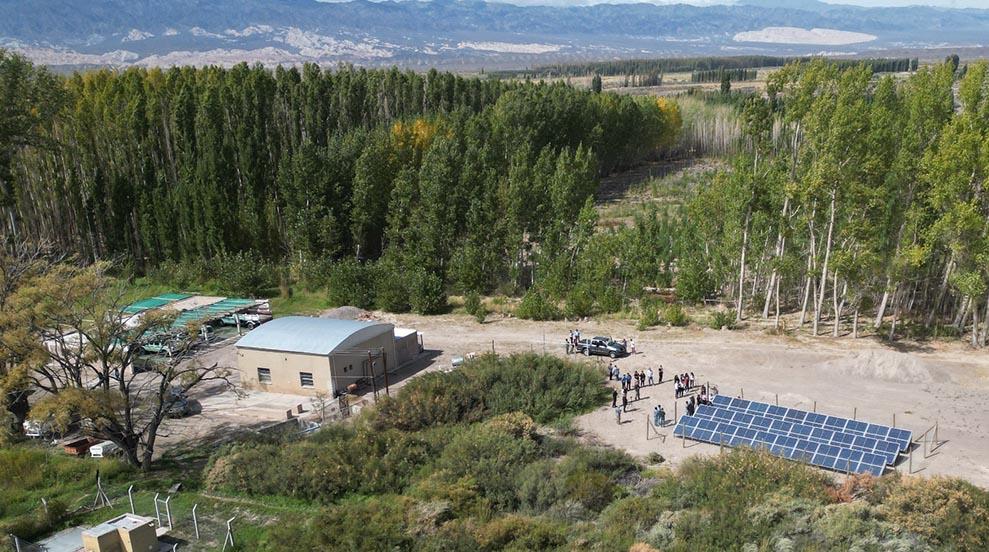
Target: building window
(264, 375)
(305, 378)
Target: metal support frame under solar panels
(902, 437)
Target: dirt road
(945, 383)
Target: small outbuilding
(304, 355)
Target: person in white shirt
(649, 380)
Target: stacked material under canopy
(213, 311)
(155, 302)
(831, 442)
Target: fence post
(855, 413)
(229, 538)
(777, 399)
(168, 511)
(815, 406)
(741, 393)
(894, 419)
(157, 511)
(195, 520)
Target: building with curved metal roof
(304, 355)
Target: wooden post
(384, 362)
(777, 399)
(855, 413)
(374, 384)
(910, 466)
(815, 406)
(675, 406)
(894, 419)
(741, 392)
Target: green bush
(946, 512)
(723, 319)
(313, 273)
(474, 306)
(351, 284)
(543, 387)
(426, 294)
(492, 458)
(391, 289)
(243, 273)
(648, 314)
(674, 315)
(580, 303)
(377, 523)
(536, 306)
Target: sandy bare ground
(946, 383)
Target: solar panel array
(826, 441)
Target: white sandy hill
(510, 47)
(882, 365)
(796, 35)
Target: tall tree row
(451, 182)
(855, 196)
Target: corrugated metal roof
(313, 336)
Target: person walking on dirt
(660, 373)
(649, 380)
(614, 397)
(625, 401)
(618, 415)
(690, 408)
(636, 390)
(631, 345)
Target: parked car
(601, 346)
(179, 407)
(249, 320)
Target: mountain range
(461, 33)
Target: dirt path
(944, 383)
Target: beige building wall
(330, 374)
(351, 366)
(140, 539)
(285, 369)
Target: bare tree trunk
(985, 325)
(975, 324)
(827, 258)
(855, 323)
(941, 291)
(741, 268)
(881, 311)
(838, 306)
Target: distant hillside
(457, 33)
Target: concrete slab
(67, 540)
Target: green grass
(301, 302)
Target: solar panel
(901, 437)
(703, 427)
(889, 450)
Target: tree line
(690, 64)
(718, 75)
(442, 181)
(853, 196)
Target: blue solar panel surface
(858, 428)
(830, 442)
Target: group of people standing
(683, 384)
(573, 341)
